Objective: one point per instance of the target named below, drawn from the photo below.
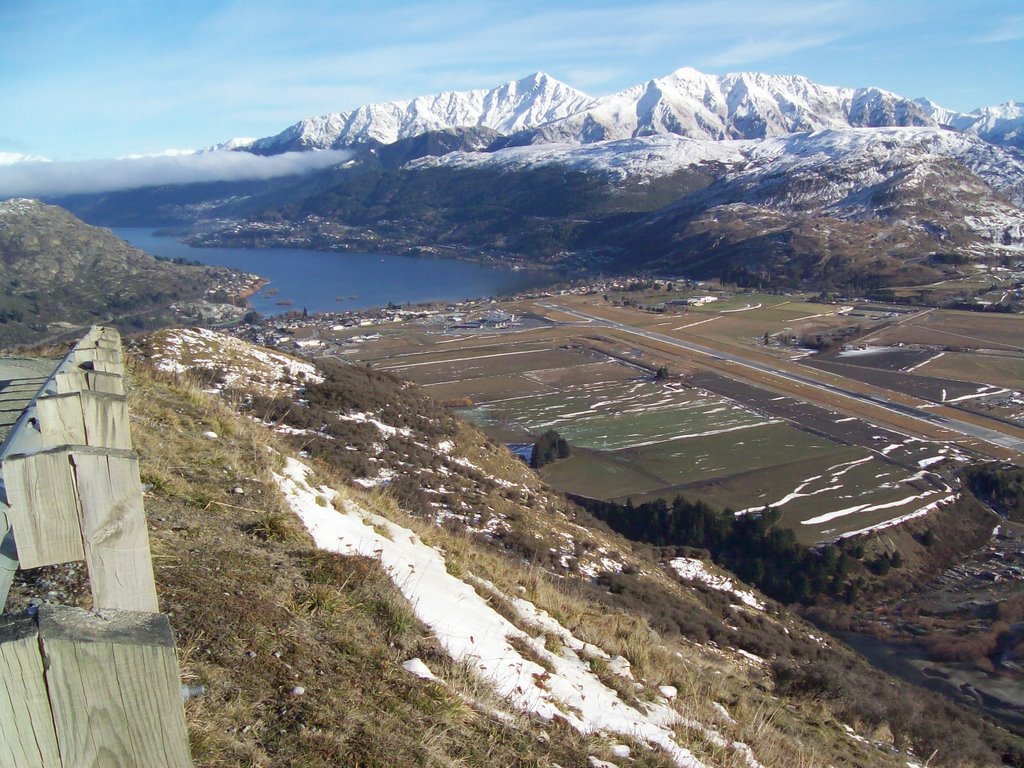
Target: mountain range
(540, 109)
(760, 179)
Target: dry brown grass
(258, 610)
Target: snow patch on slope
(470, 630)
(243, 364)
(695, 570)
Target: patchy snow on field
(471, 631)
(695, 570)
(835, 472)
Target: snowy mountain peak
(1002, 124)
(514, 106)
(540, 109)
(745, 105)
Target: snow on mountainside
(734, 106)
(1002, 124)
(868, 155)
(640, 159)
(931, 177)
(514, 106)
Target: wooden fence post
(27, 735)
(113, 525)
(81, 689)
(43, 511)
(115, 688)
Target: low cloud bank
(43, 179)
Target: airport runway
(967, 429)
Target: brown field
(990, 369)
(966, 330)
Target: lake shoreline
(337, 281)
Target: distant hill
(56, 272)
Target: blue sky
(100, 79)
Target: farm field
(821, 498)
(1003, 371)
(963, 330)
(453, 365)
(611, 416)
(709, 436)
(938, 390)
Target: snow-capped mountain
(1003, 124)
(541, 110)
(736, 106)
(515, 106)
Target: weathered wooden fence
(81, 688)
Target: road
(964, 428)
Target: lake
(335, 282)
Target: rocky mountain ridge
(1002, 124)
(540, 110)
(513, 106)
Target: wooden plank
(43, 507)
(27, 735)
(106, 421)
(113, 529)
(61, 420)
(104, 366)
(83, 418)
(84, 354)
(101, 381)
(114, 684)
(69, 379)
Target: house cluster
(692, 301)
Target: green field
(616, 415)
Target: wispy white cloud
(752, 50)
(1008, 29)
(39, 179)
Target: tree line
(751, 545)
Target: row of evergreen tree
(751, 545)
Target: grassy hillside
(306, 652)
(55, 267)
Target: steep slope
(532, 632)
(54, 267)
(849, 209)
(514, 106)
(736, 106)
